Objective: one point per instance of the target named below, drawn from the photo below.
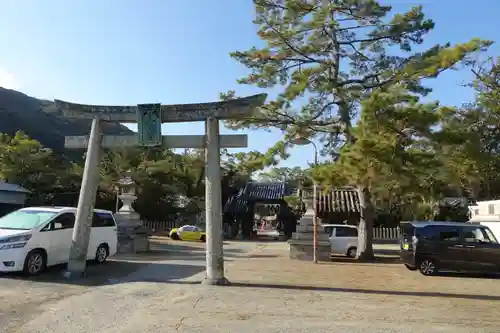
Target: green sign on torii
(149, 125)
(149, 118)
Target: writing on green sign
(149, 124)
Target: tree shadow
(376, 261)
(264, 239)
(113, 272)
(352, 290)
(471, 275)
(260, 256)
(178, 246)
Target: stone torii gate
(149, 118)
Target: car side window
(63, 221)
(449, 235)
(346, 232)
(102, 220)
(475, 235)
(351, 232)
(427, 233)
(329, 231)
(339, 232)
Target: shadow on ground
(379, 259)
(257, 240)
(480, 275)
(113, 272)
(178, 246)
(351, 290)
(178, 251)
(120, 267)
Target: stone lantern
(126, 188)
(132, 236)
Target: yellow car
(188, 233)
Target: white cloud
(7, 80)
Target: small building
(12, 197)
(488, 207)
(339, 205)
(255, 198)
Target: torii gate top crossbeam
(240, 107)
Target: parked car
(34, 238)
(343, 238)
(449, 246)
(188, 233)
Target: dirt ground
(458, 297)
(387, 275)
(382, 293)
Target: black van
(451, 246)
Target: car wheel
(175, 237)
(35, 262)
(411, 268)
(428, 267)
(101, 254)
(351, 252)
(203, 238)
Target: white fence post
(386, 233)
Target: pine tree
(393, 148)
(328, 55)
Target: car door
(104, 231)
(60, 234)
(186, 232)
(483, 250)
(351, 235)
(450, 249)
(340, 240)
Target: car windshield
(490, 235)
(25, 219)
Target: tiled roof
(256, 192)
(7, 187)
(338, 201)
(264, 191)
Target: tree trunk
(365, 228)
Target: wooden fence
(157, 227)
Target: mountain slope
(41, 120)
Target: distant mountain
(41, 120)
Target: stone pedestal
(302, 242)
(133, 237)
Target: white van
(34, 238)
(343, 238)
(490, 221)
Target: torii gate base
(210, 113)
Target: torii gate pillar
(213, 206)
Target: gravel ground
(269, 293)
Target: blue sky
(170, 51)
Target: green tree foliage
(326, 56)
(474, 154)
(162, 176)
(392, 154)
(25, 162)
(294, 177)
